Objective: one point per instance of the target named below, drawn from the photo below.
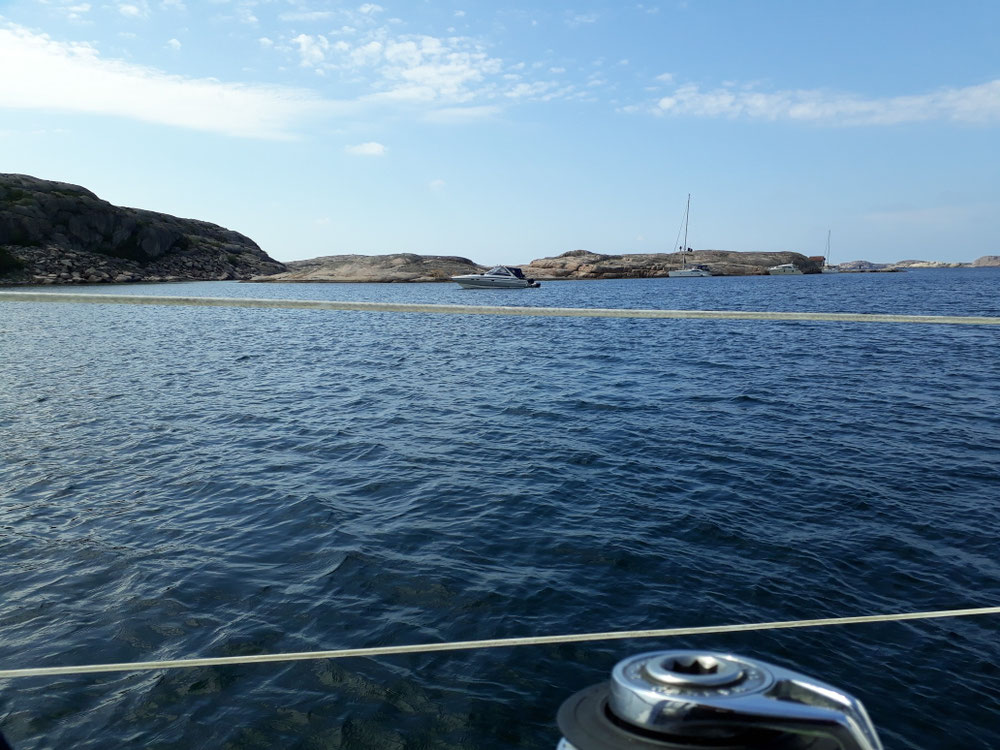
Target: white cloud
(978, 104)
(436, 186)
(307, 15)
(265, 42)
(133, 10)
(369, 8)
(74, 77)
(412, 70)
(173, 44)
(366, 149)
(529, 90)
(458, 115)
(247, 17)
(312, 49)
(366, 54)
(75, 12)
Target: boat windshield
(505, 271)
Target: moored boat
(696, 270)
(498, 277)
(827, 268)
(785, 269)
(685, 270)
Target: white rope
(545, 312)
(494, 643)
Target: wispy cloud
(580, 19)
(458, 115)
(371, 148)
(307, 15)
(74, 11)
(75, 77)
(436, 186)
(978, 104)
(404, 68)
(420, 70)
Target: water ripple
(222, 482)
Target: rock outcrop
(581, 264)
(986, 260)
(926, 264)
(378, 268)
(866, 266)
(57, 233)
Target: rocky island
(57, 233)
(575, 264)
(382, 268)
(582, 264)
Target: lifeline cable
(140, 666)
(546, 312)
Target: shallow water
(181, 482)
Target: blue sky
(508, 132)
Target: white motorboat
(785, 269)
(498, 277)
(686, 270)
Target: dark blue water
(178, 482)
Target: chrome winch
(685, 700)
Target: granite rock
(395, 267)
(582, 264)
(58, 233)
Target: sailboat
(827, 268)
(685, 269)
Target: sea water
(215, 481)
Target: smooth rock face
(581, 264)
(376, 268)
(926, 264)
(57, 233)
(987, 260)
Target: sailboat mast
(687, 214)
(826, 258)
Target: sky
(506, 132)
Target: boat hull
(681, 273)
(474, 281)
(784, 270)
